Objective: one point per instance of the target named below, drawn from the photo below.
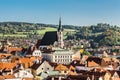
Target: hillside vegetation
(22, 29)
(103, 34)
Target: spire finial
(60, 26)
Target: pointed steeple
(60, 26)
(60, 35)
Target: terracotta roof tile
(92, 64)
(95, 59)
(10, 49)
(24, 60)
(116, 79)
(72, 73)
(7, 65)
(115, 60)
(107, 59)
(61, 67)
(2, 77)
(27, 79)
(4, 55)
(9, 76)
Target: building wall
(24, 74)
(37, 53)
(62, 58)
(44, 67)
(47, 56)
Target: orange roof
(7, 77)
(24, 60)
(10, 49)
(28, 59)
(115, 60)
(72, 73)
(32, 58)
(107, 59)
(72, 68)
(1, 77)
(4, 55)
(92, 63)
(61, 67)
(116, 79)
(85, 57)
(27, 79)
(7, 65)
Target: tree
(86, 53)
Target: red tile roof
(7, 66)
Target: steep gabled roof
(92, 64)
(118, 73)
(61, 67)
(36, 65)
(49, 38)
(95, 59)
(112, 72)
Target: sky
(72, 12)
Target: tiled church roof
(49, 38)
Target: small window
(65, 71)
(42, 68)
(47, 68)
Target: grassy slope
(41, 32)
(45, 30)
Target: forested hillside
(104, 34)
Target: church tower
(60, 35)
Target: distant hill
(12, 27)
(25, 29)
(104, 34)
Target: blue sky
(73, 12)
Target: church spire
(60, 26)
(60, 35)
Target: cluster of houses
(50, 59)
(36, 67)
